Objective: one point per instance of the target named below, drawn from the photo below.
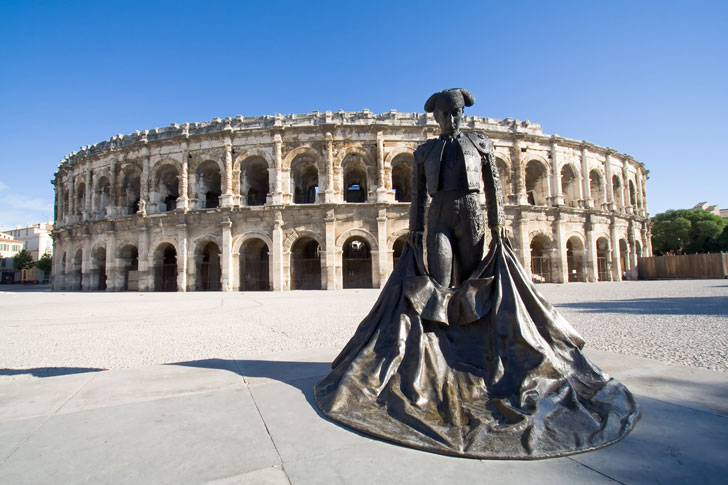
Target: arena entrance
(165, 268)
(208, 268)
(254, 261)
(306, 264)
(129, 262)
(541, 259)
(603, 259)
(357, 265)
(575, 259)
(98, 271)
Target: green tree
(686, 231)
(23, 260)
(45, 263)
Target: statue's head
(447, 106)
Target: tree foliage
(23, 260)
(45, 263)
(687, 231)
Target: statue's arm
(493, 192)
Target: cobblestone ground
(44, 333)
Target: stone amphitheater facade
(321, 200)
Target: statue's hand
(414, 239)
(499, 232)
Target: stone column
(521, 227)
(71, 200)
(182, 250)
(277, 253)
(113, 209)
(329, 195)
(616, 266)
(585, 186)
(227, 196)
(381, 189)
(590, 254)
(557, 197)
(86, 282)
(278, 185)
(518, 172)
(112, 269)
(562, 268)
(625, 190)
(87, 195)
(331, 280)
(183, 201)
(227, 255)
(608, 185)
(144, 196)
(384, 259)
(146, 276)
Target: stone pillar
(608, 185)
(616, 266)
(227, 255)
(70, 214)
(277, 253)
(278, 185)
(146, 276)
(562, 268)
(113, 208)
(182, 250)
(144, 196)
(585, 187)
(590, 255)
(227, 196)
(557, 197)
(87, 195)
(329, 195)
(644, 200)
(521, 227)
(625, 190)
(384, 260)
(381, 189)
(183, 201)
(112, 268)
(331, 280)
(86, 282)
(519, 174)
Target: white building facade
(321, 201)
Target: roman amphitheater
(321, 201)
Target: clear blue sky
(645, 78)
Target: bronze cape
(485, 370)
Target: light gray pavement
(233, 404)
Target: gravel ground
(44, 333)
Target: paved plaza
(217, 388)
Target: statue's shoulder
(481, 142)
(423, 150)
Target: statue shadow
(49, 371)
(707, 305)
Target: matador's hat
(449, 98)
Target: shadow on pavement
(709, 305)
(49, 371)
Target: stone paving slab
(254, 421)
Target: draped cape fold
(486, 370)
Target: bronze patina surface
(463, 356)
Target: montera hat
(449, 98)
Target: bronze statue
(464, 356)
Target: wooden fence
(688, 266)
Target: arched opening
(398, 249)
(167, 185)
(355, 179)
(304, 180)
(76, 273)
(129, 265)
(103, 196)
(165, 268)
(209, 184)
(575, 259)
(536, 183)
(402, 177)
(504, 174)
(541, 259)
(80, 198)
(570, 185)
(254, 181)
(638, 249)
(208, 268)
(254, 261)
(305, 264)
(130, 190)
(357, 263)
(617, 191)
(632, 194)
(623, 258)
(596, 187)
(98, 269)
(603, 273)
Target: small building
(9, 247)
(37, 240)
